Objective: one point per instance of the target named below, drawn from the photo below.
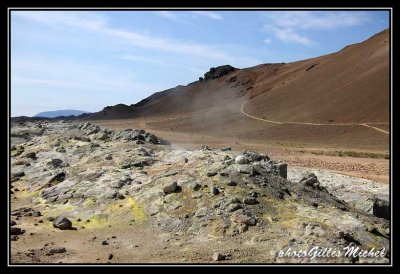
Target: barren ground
(109, 195)
(295, 154)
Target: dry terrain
(326, 112)
(87, 194)
(232, 168)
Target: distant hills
(58, 113)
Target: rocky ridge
(218, 72)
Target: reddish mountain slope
(349, 86)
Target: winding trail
(314, 124)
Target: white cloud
(182, 16)
(88, 21)
(165, 44)
(267, 41)
(45, 82)
(289, 26)
(209, 14)
(139, 58)
(290, 35)
(317, 19)
(171, 16)
(74, 75)
(167, 14)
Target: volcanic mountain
(336, 100)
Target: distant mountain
(58, 113)
(348, 86)
(322, 100)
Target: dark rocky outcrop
(218, 72)
(381, 209)
(62, 223)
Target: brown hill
(320, 101)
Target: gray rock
(152, 139)
(126, 180)
(126, 165)
(18, 174)
(307, 175)
(381, 208)
(55, 162)
(108, 157)
(62, 223)
(139, 163)
(216, 204)
(255, 157)
(56, 250)
(205, 148)
(58, 178)
(117, 184)
(246, 169)
(92, 130)
(224, 173)
(282, 170)
(135, 135)
(218, 256)
(30, 155)
(347, 237)
(102, 136)
(153, 210)
(168, 174)
(170, 187)
(201, 212)
(233, 207)
(36, 213)
(196, 186)
(251, 221)
(16, 230)
(110, 194)
(104, 242)
(241, 160)
(224, 203)
(173, 206)
(250, 201)
(310, 180)
(214, 190)
(197, 195)
(12, 223)
(61, 150)
(232, 183)
(211, 173)
(242, 217)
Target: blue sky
(87, 60)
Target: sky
(87, 60)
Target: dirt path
(312, 124)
